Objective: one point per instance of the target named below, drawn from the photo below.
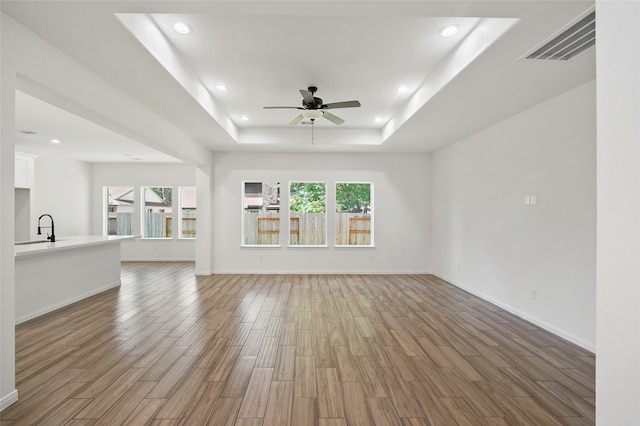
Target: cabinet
(23, 171)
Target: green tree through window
(307, 197)
(354, 216)
(307, 213)
(353, 197)
(165, 192)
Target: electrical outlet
(260, 258)
(534, 294)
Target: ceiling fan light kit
(314, 108)
(312, 114)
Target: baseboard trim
(67, 302)
(155, 259)
(319, 272)
(589, 346)
(9, 399)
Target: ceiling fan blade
(281, 107)
(296, 120)
(332, 118)
(308, 97)
(345, 104)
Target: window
(307, 213)
(187, 211)
(120, 204)
(354, 222)
(157, 212)
(261, 213)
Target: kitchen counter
(50, 275)
(43, 248)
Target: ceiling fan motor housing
(316, 105)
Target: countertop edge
(68, 243)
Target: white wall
(401, 212)
(61, 188)
(205, 223)
(618, 257)
(138, 175)
(8, 392)
(486, 240)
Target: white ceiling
(38, 123)
(345, 57)
(265, 51)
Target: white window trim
(105, 208)
(242, 213)
(371, 223)
(326, 215)
(143, 208)
(180, 237)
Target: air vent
(572, 41)
(27, 132)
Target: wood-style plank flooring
(170, 348)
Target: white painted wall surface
(486, 240)
(61, 188)
(139, 175)
(402, 191)
(8, 391)
(204, 245)
(618, 257)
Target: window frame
(106, 208)
(143, 213)
(371, 229)
(244, 209)
(180, 213)
(291, 230)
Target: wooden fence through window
(157, 225)
(263, 228)
(120, 224)
(353, 229)
(310, 227)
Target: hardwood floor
(169, 348)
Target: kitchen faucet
(53, 233)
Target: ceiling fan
(313, 108)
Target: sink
(24, 243)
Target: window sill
(260, 245)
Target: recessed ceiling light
(244, 118)
(221, 87)
(181, 28)
(54, 141)
(378, 119)
(402, 89)
(449, 31)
